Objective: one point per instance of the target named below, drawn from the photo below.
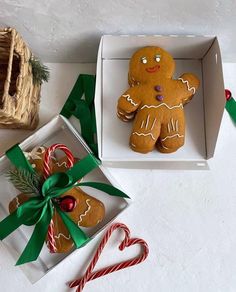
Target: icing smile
(153, 69)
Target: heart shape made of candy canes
(90, 275)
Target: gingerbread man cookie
(83, 209)
(155, 101)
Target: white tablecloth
(187, 217)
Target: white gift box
(58, 130)
(196, 54)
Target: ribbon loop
(54, 186)
(83, 109)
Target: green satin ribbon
(39, 210)
(83, 108)
(231, 108)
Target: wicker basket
(19, 96)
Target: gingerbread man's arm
(132, 82)
(128, 103)
(189, 84)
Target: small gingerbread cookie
(83, 209)
(36, 159)
(17, 201)
(155, 101)
(87, 212)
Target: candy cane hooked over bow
(46, 173)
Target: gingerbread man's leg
(172, 134)
(146, 130)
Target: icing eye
(144, 60)
(158, 58)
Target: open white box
(196, 54)
(58, 130)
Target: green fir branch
(25, 181)
(40, 71)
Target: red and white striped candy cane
(90, 275)
(46, 173)
(48, 156)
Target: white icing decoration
(122, 117)
(133, 145)
(129, 116)
(142, 124)
(86, 211)
(175, 135)
(193, 89)
(134, 82)
(172, 123)
(61, 164)
(153, 124)
(177, 125)
(148, 117)
(168, 126)
(143, 134)
(63, 235)
(17, 202)
(144, 60)
(35, 153)
(129, 99)
(166, 105)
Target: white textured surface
(65, 31)
(188, 218)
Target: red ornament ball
(228, 94)
(67, 204)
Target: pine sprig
(25, 181)
(40, 71)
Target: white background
(69, 31)
(187, 217)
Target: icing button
(160, 97)
(157, 88)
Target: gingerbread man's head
(150, 62)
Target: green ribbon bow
(39, 210)
(83, 108)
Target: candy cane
(48, 155)
(51, 243)
(90, 275)
(46, 173)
